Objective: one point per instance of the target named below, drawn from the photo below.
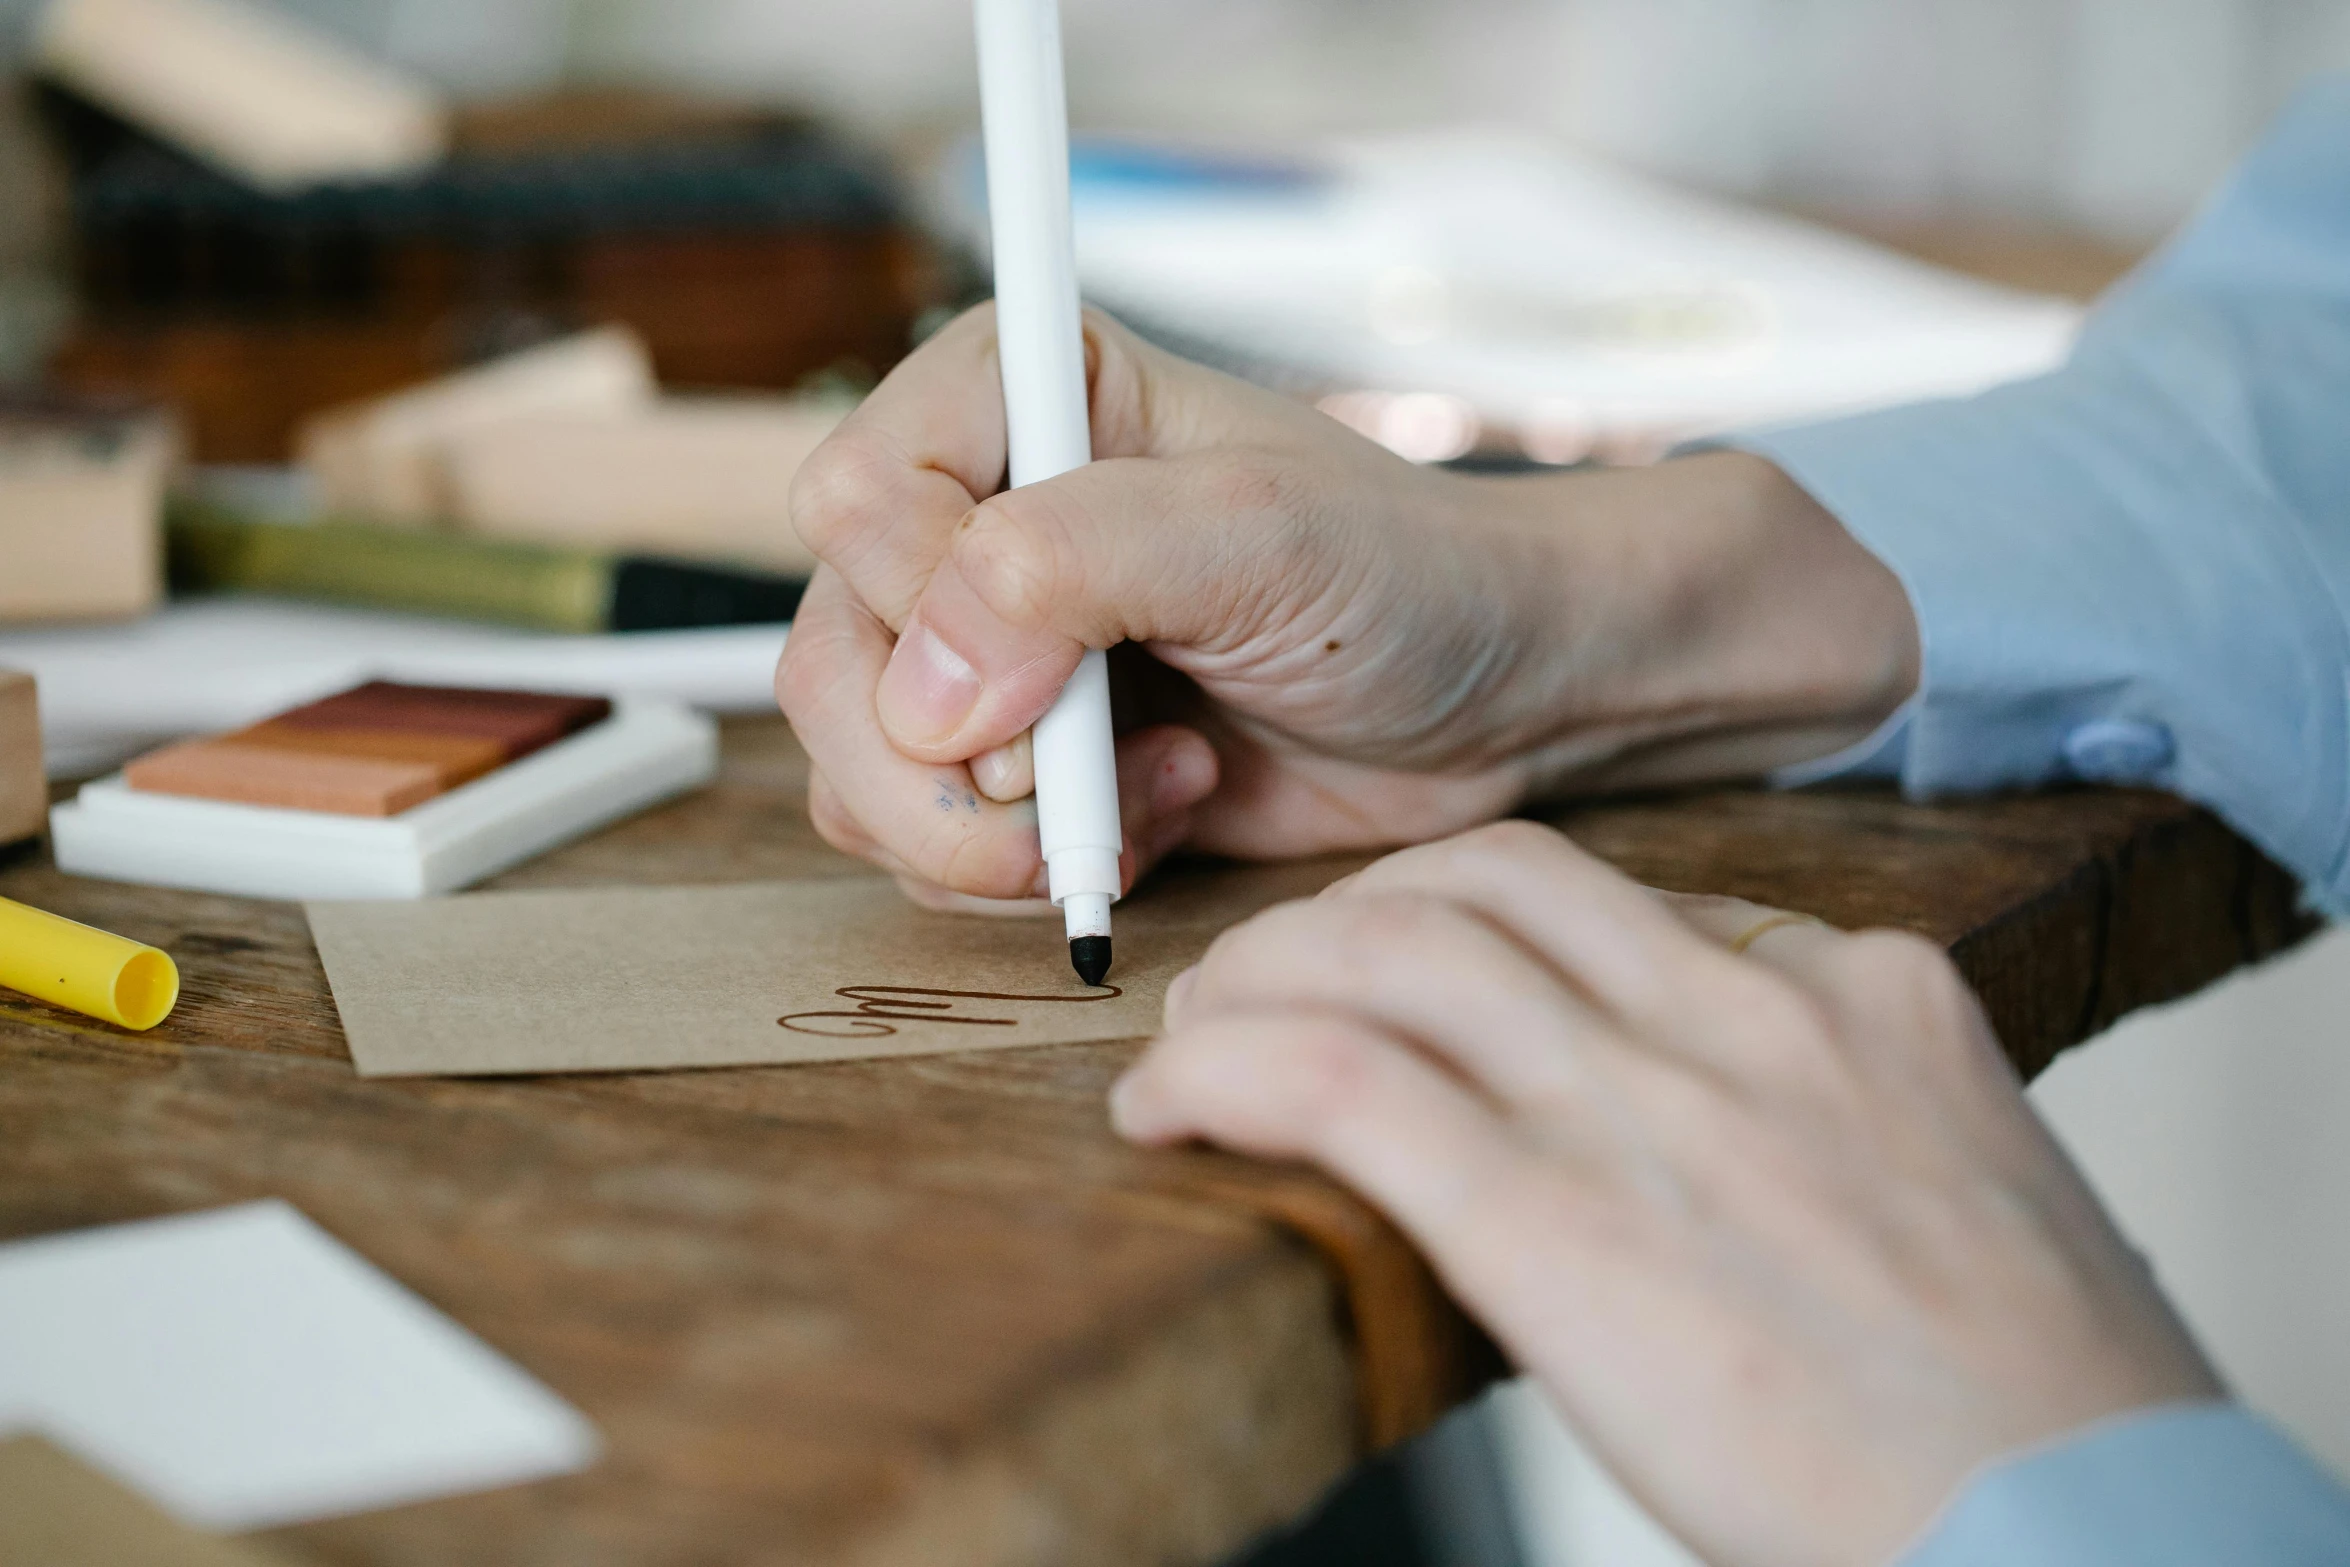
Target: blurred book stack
(264, 226)
(506, 394)
(555, 487)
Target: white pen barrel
(1041, 340)
(1039, 331)
(1077, 786)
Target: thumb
(1193, 551)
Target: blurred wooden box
(81, 511)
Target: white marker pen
(1024, 104)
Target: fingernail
(1177, 990)
(998, 771)
(927, 690)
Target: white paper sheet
(109, 692)
(1549, 292)
(244, 1369)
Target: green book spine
(550, 589)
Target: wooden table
(930, 1311)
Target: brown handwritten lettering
(881, 1007)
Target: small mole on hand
(1330, 646)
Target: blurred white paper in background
(1571, 306)
(110, 691)
(244, 1369)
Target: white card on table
(243, 1368)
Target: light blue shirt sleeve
(2137, 569)
(2207, 1485)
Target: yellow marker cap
(89, 970)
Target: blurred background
(1563, 230)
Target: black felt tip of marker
(1091, 957)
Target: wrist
(1703, 619)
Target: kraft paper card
(56, 1511)
(638, 978)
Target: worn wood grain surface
(925, 1311)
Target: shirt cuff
(2207, 1485)
(2082, 618)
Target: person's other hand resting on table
(1775, 1227)
(1776, 1230)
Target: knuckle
(805, 677)
(1221, 951)
(1218, 1079)
(1331, 1071)
(949, 856)
(1912, 976)
(834, 822)
(1329, 950)
(1498, 849)
(834, 825)
(1514, 841)
(1794, 1011)
(1270, 942)
(840, 493)
(781, 682)
(1901, 959)
(1769, 1007)
(794, 684)
(1557, 1217)
(976, 861)
(833, 828)
(1376, 933)
(1014, 557)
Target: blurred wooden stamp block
(24, 792)
(81, 511)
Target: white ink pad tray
(646, 752)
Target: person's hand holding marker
(1760, 1204)
(1333, 648)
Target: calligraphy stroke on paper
(881, 1007)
